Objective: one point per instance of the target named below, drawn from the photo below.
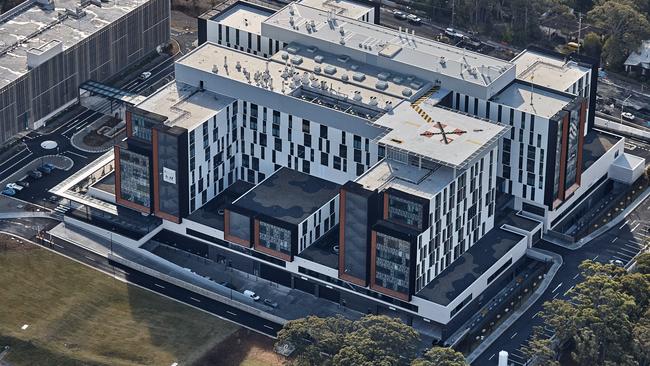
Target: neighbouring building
(50, 47)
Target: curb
(558, 261)
(598, 232)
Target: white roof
(387, 47)
(641, 57)
(548, 71)
(415, 129)
(406, 178)
(243, 16)
(185, 106)
(344, 8)
(532, 100)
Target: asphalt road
(619, 243)
(159, 286)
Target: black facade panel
(203, 30)
(356, 235)
(550, 161)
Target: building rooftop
(533, 100)
(640, 57)
(421, 182)
(185, 106)
(545, 70)
(518, 221)
(418, 129)
(384, 46)
(292, 73)
(344, 8)
(243, 16)
(288, 195)
(323, 250)
(106, 184)
(596, 143)
(36, 27)
(456, 278)
(211, 214)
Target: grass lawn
(78, 316)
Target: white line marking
(636, 226)
(58, 246)
(623, 224)
(554, 296)
(613, 240)
(514, 335)
(74, 153)
(197, 300)
(595, 257)
(231, 313)
(87, 257)
(567, 291)
(558, 286)
(266, 326)
(620, 259)
(157, 285)
(576, 276)
(536, 314)
(491, 357)
(626, 250)
(16, 163)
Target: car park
(252, 295)
(270, 303)
(399, 14)
(628, 116)
(35, 174)
(8, 192)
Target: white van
(252, 295)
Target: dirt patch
(182, 22)
(14, 245)
(243, 348)
(193, 8)
(93, 138)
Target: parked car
(628, 116)
(145, 75)
(8, 192)
(15, 187)
(35, 174)
(414, 19)
(252, 295)
(617, 262)
(49, 166)
(271, 303)
(23, 183)
(451, 32)
(53, 199)
(399, 14)
(44, 169)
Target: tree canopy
(441, 356)
(606, 321)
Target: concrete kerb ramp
(59, 161)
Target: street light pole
(623, 106)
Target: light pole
(623, 106)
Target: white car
(628, 116)
(399, 14)
(252, 295)
(15, 187)
(145, 75)
(412, 18)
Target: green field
(78, 316)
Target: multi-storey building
(49, 48)
(355, 162)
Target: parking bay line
(558, 286)
(635, 226)
(266, 326)
(194, 299)
(231, 313)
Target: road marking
(636, 226)
(74, 153)
(558, 286)
(620, 259)
(514, 335)
(623, 224)
(554, 296)
(16, 163)
(157, 285)
(567, 291)
(266, 326)
(57, 245)
(595, 257)
(576, 276)
(197, 300)
(625, 250)
(613, 240)
(231, 313)
(536, 314)
(87, 257)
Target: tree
(592, 45)
(336, 341)
(627, 27)
(601, 324)
(540, 348)
(643, 263)
(441, 356)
